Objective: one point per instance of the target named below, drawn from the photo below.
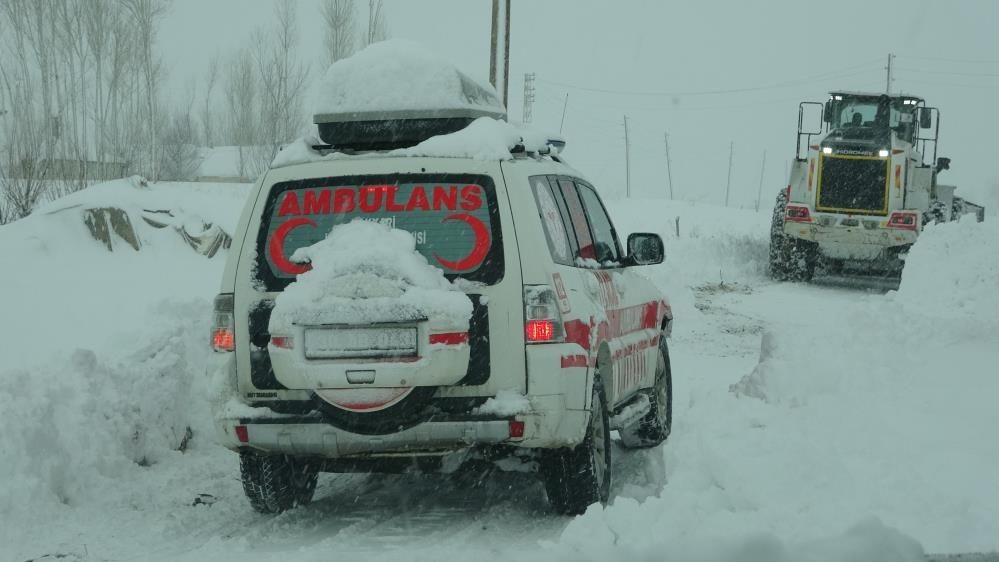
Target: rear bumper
(315, 438)
(852, 242)
(548, 425)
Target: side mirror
(645, 248)
(925, 118)
(943, 164)
(827, 114)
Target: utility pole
(669, 173)
(565, 106)
(627, 160)
(889, 79)
(759, 193)
(528, 113)
(499, 57)
(728, 184)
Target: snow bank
(953, 272)
(76, 426)
(400, 75)
(705, 245)
(365, 272)
(105, 352)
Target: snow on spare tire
(362, 274)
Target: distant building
(70, 168)
(232, 164)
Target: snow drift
(104, 352)
(953, 273)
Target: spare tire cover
(375, 411)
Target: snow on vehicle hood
(365, 272)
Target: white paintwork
(559, 392)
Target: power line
(943, 59)
(922, 71)
(951, 84)
(832, 74)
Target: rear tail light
(516, 429)
(904, 220)
(223, 324)
(798, 213)
(542, 319)
(540, 330)
(283, 342)
(242, 434)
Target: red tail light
(516, 429)
(223, 326)
(904, 220)
(223, 339)
(283, 342)
(797, 213)
(542, 317)
(242, 434)
(540, 330)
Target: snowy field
(810, 422)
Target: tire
(277, 483)
(791, 259)
(780, 256)
(655, 427)
(579, 477)
(938, 213)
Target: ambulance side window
(551, 209)
(605, 242)
(577, 215)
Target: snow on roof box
(396, 94)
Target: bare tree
(145, 16)
(339, 29)
(179, 156)
(242, 113)
(282, 78)
(208, 108)
(377, 25)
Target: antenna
(669, 172)
(528, 112)
(627, 160)
(728, 183)
(565, 106)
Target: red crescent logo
(479, 250)
(276, 247)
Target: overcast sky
(653, 60)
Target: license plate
(345, 343)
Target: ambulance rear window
(454, 219)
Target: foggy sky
(777, 52)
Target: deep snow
(810, 422)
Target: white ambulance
(565, 343)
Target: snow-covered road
(810, 422)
